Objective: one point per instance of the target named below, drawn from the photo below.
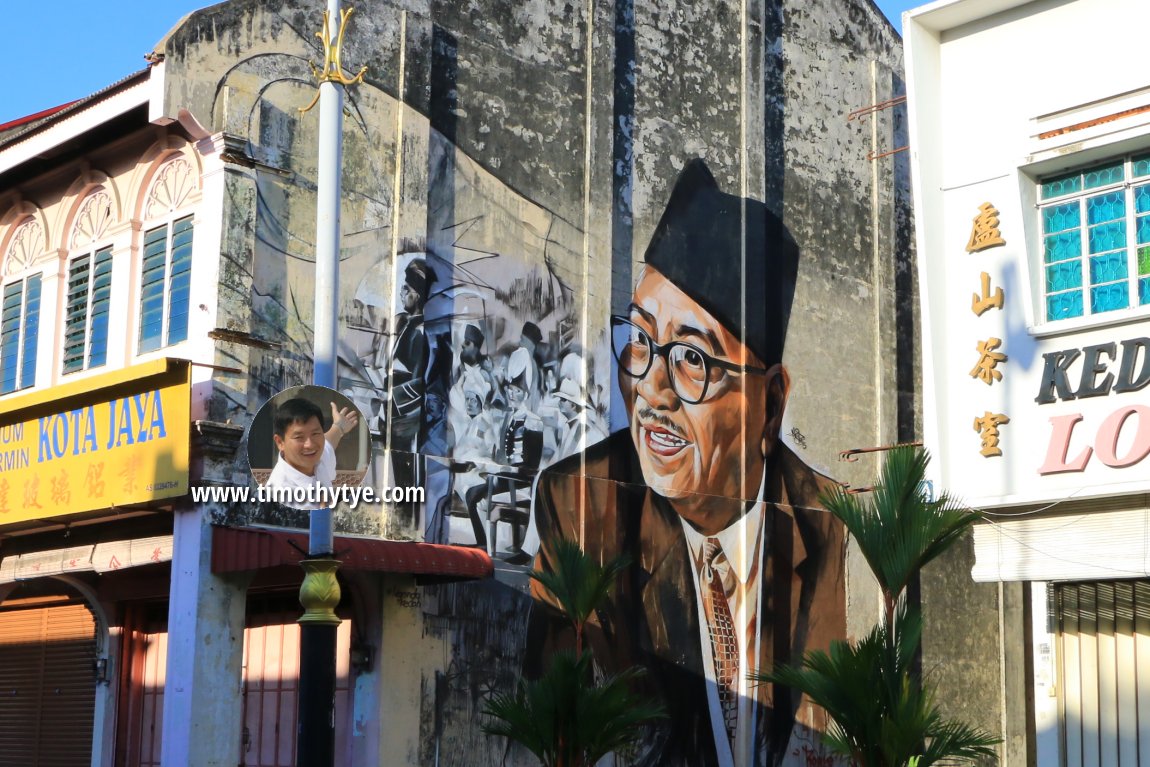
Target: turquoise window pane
(1144, 291)
(1107, 174)
(1105, 207)
(1143, 225)
(1144, 260)
(1060, 185)
(1108, 268)
(1110, 236)
(1142, 199)
(1059, 218)
(1108, 298)
(1064, 276)
(1064, 305)
(1060, 247)
(1141, 166)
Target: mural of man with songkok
(733, 565)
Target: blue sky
(69, 49)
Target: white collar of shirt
(293, 476)
(747, 528)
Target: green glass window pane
(1105, 207)
(1059, 247)
(1108, 298)
(1107, 174)
(1108, 268)
(1059, 218)
(1063, 276)
(1064, 305)
(1144, 260)
(1106, 237)
(1142, 199)
(1060, 185)
(1141, 166)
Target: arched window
(166, 266)
(88, 299)
(20, 309)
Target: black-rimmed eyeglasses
(690, 369)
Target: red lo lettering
(1105, 444)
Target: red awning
(236, 549)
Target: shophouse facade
(1031, 194)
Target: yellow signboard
(97, 443)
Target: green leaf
(578, 583)
(896, 527)
(882, 713)
(565, 719)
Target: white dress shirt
(740, 568)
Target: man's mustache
(648, 415)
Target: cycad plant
(564, 717)
(882, 713)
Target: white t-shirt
(286, 475)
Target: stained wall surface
(514, 176)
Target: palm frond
(897, 528)
(563, 718)
(578, 583)
(881, 714)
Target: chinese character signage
(984, 234)
(97, 443)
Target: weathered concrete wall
(527, 154)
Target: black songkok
(698, 246)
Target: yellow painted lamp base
(319, 593)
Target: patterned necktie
(724, 645)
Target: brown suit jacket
(651, 618)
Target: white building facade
(1030, 139)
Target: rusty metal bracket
(877, 155)
(849, 455)
(870, 109)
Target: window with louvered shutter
(165, 285)
(19, 330)
(86, 308)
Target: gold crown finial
(332, 69)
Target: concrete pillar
(1018, 746)
(202, 697)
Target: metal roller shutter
(47, 686)
(1104, 655)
